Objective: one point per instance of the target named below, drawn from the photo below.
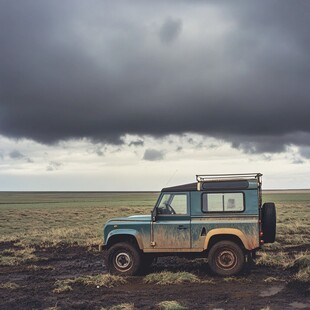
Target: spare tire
(269, 222)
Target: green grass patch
(98, 281)
(302, 260)
(280, 259)
(236, 279)
(53, 308)
(9, 285)
(302, 264)
(171, 305)
(166, 277)
(273, 279)
(303, 275)
(12, 257)
(37, 268)
(125, 306)
(62, 286)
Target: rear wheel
(269, 222)
(123, 259)
(226, 258)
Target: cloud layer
(236, 70)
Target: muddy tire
(226, 258)
(123, 259)
(269, 222)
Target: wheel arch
(124, 235)
(231, 234)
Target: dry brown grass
(47, 219)
(302, 264)
(9, 285)
(273, 279)
(280, 259)
(236, 279)
(36, 268)
(292, 236)
(166, 277)
(12, 257)
(125, 306)
(53, 308)
(52, 218)
(106, 280)
(171, 305)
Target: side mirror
(154, 214)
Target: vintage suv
(220, 217)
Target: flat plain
(49, 258)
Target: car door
(171, 230)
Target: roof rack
(222, 177)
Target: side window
(179, 204)
(164, 201)
(222, 202)
(173, 204)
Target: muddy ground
(36, 284)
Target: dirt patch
(36, 281)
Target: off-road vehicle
(219, 217)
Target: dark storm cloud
(236, 70)
(269, 143)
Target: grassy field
(75, 217)
(49, 219)
(293, 226)
(292, 247)
(53, 218)
(36, 227)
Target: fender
(250, 242)
(126, 232)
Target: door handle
(181, 227)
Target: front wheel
(226, 258)
(123, 259)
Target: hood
(132, 218)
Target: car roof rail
(228, 177)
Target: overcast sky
(138, 95)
